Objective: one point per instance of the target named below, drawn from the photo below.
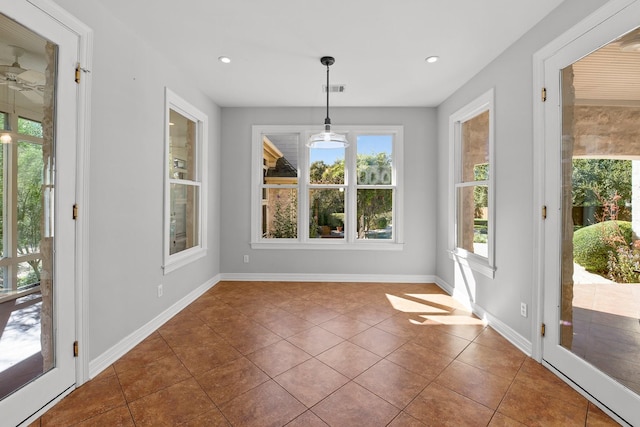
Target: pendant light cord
(327, 120)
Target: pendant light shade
(327, 139)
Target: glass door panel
(27, 109)
(600, 294)
(591, 309)
(39, 135)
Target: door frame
(591, 24)
(84, 37)
(83, 132)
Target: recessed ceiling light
(224, 59)
(432, 59)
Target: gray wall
(511, 75)
(418, 256)
(126, 179)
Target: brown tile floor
(317, 354)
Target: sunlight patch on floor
(410, 306)
(453, 320)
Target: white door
(39, 116)
(592, 329)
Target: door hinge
(544, 212)
(79, 71)
(75, 349)
(75, 211)
(544, 94)
(542, 330)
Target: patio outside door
(592, 264)
(37, 192)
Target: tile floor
(318, 354)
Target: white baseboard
(502, 328)
(107, 358)
(304, 277)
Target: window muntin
(185, 179)
(330, 204)
(473, 229)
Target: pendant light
(327, 139)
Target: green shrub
(624, 265)
(592, 244)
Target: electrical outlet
(523, 309)
(159, 290)
(246, 259)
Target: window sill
(474, 262)
(181, 259)
(331, 246)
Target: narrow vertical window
(375, 186)
(184, 205)
(280, 186)
(326, 193)
(473, 231)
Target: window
(185, 183)
(327, 198)
(22, 194)
(473, 230)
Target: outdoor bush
(624, 265)
(592, 244)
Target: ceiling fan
(29, 83)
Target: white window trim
(302, 242)
(483, 265)
(180, 259)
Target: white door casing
(605, 25)
(71, 129)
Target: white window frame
(182, 258)
(303, 241)
(481, 264)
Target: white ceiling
(380, 46)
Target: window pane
(182, 147)
(184, 227)
(29, 273)
(29, 197)
(4, 118)
(280, 213)
(326, 213)
(375, 214)
(326, 165)
(374, 159)
(475, 148)
(473, 219)
(280, 159)
(29, 127)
